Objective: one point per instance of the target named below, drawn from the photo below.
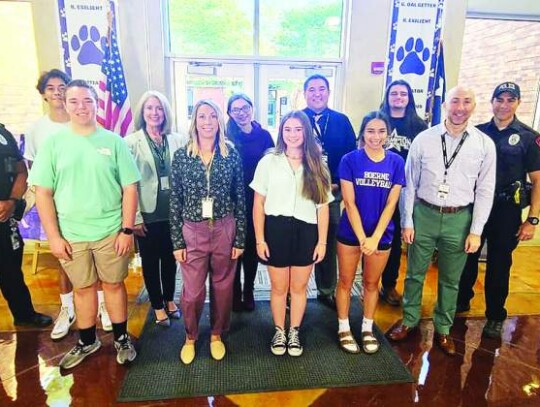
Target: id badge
(164, 181)
(15, 241)
(325, 157)
(442, 192)
(208, 208)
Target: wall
(368, 42)
(496, 51)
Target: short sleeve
(127, 169)
(532, 157)
(398, 176)
(260, 179)
(345, 170)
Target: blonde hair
(316, 177)
(193, 147)
(140, 123)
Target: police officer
(518, 154)
(13, 176)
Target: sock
(67, 299)
(119, 330)
(344, 325)
(367, 325)
(87, 335)
(100, 297)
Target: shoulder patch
(537, 141)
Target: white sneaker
(62, 324)
(106, 323)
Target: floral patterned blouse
(189, 187)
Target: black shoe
(390, 296)
(249, 301)
(493, 329)
(460, 308)
(327, 300)
(37, 320)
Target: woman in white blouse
(290, 214)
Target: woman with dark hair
(208, 224)
(371, 181)
(405, 124)
(290, 214)
(251, 141)
(153, 145)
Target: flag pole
(435, 72)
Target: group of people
(224, 198)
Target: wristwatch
(126, 231)
(533, 220)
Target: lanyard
(447, 162)
(207, 169)
(159, 150)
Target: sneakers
(294, 347)
(279, 342)
(62, 324)
(78, 354)
(493, 329)
(106, 323)
(125, 351)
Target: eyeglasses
(243, 109)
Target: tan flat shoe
(187, 354)
(217, 349)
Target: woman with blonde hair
(290, 214)
(153, 145)
(208, 224)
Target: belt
(444, 209)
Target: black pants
(12, 282)
(326, 270)
(391, 271)
(500, 234)
(159, 265)
(249, 261)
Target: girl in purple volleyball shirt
(371, 181)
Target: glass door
(282, 90)
(195, 80)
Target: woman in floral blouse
(208, 222)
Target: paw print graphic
(413, 55)
(90, 45)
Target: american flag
(114, 110)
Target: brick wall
(495, 51)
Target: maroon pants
(209, 249)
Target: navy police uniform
(518, 153)
(12, 282)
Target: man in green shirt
(86, 195)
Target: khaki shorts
(95, 260)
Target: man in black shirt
(400, 107)
(336, 136)
(518, 155)
(13, 176)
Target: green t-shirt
(86, 174)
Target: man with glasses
(336, 137)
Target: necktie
(317, 127)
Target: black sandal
(369, 339)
